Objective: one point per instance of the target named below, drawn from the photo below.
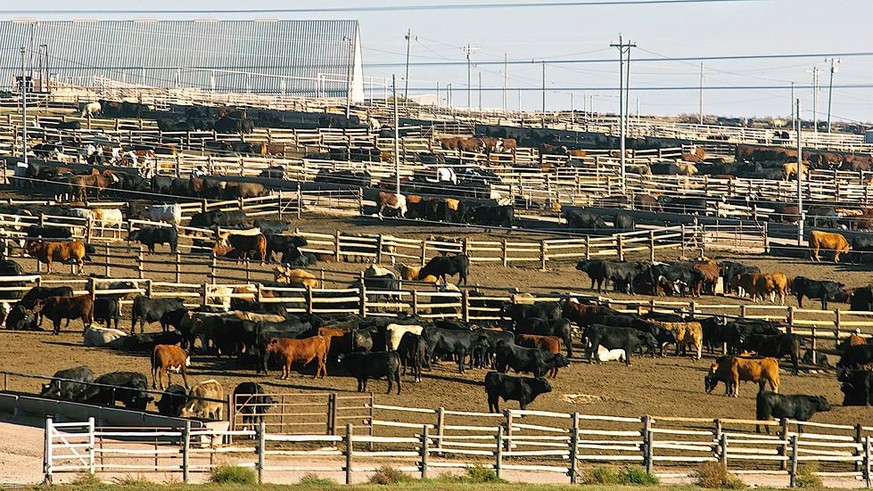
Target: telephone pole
(544, 94)
(622, 81)
(469, 50)
(505, 78)
(835, 64)
(396, 137)
(408, 38)
(700, 116)
(23, 106)
(480, 90)
(815, 71)
(799, 180)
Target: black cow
(798, 407)
(624, 222)
(776, 346)
(509, 388)
(661, 336)
(20, 319)
(460, 343)
(216, 218)
(681, 276)
(560, 328)
(579, 218)
(162, 185)
(150, 236)
(731, 269)
(413, 354)
(268, 227)
(147, 310)
(492, 215)
(541, 310)
(857, 387)
(825, 290)
(41, 292)
(287, 246)
(128, 387)
(145, 342)
(106, 311)
(609, 337)
(48, 232)
(862, 246)
(70, 384)
(364, 366)
(531, 360)
(484, 357)
(735, 332)
(172, 400)
(595, 269)
(855, 357)
(440, 266)
(862, 299)
(251, 401)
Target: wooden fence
(521, 441)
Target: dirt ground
(670, 386)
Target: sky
(533, 35)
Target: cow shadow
(437, 376)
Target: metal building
(308, 58)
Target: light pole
(799, 180)
(396, 137)
(406, 77)
(469, 50)
(815, 71)
(835, 64)
(349, 77)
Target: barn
(305, 58)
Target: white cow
(102, 336)
(91, 109)
(171, 214)
(606, 354)
(108, 218)
(394, 333)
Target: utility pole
(622, 49)
(449, 95)
(505, 79)
(700, 116)
(835, 64)
(792, 102)
(396, 137)
(23, 106)
(815, 71)
(480, 90)
(544, 94)
(799, 180)
(406, 78)
(469, 50)
(349, 76)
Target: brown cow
(732, 369)
(59, 308)
(748, 282)
(295, 276)
(63, 251)
(827, 240)
(233, 190)
(552, 344)
(394, 201)
(242, 247)
(772, 284)
(711, 273)
(168, 358)
(299, 350)
(510, 145)
(328, 334)
(79, 185)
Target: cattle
(59, 308)
(218, 218)
(485, 355)
(168, 213)
(151, 236)
(413, 354)
(789, 170)
(579, 218)
(99, 336)
(541, 310)
(242, 247)
(106, 218)
(107, 311)
(91, 109)
(364, 366)
(776, 346)
(287, 246)
(559, 328)
(147, 310)
(411, 273)
(172, 400)
(625, 338)
(492, 215)
(264, 332)
(621, 274)
(857, 387)
(394, 333)
(270, 227)
(127, 387)
(205, 400)
(680, 276)
(522, 389)
(166, 359)
(440, 266)
(237, 190)
(532, 360)
(38, 292)
(63, 251)
(19, 319)
(730, 270)
(252, 403)
(295, 276)
(452, 342)
(396, 202)
(772, 285)
(552, 344)
(70, 384)
(290, 351)
(688, 334)
(827, 240)
(605, 354)
(624, 222)
(798, 407)
(824, 290)
(856, 357)
(733, 369)
(48, 232)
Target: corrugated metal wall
(232, 56)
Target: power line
(611, 60)
(375, 8)
(665, 88)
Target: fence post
(140, 265)
(767, 238)
(543, 251)
(792, 472)
(574, 449)
(440, 426)
(423, 450)
(48, 451)
(106, 268)
(651, 245)
(331, 413)
(867, 444)
(505, 254)
(423, 252)
(619, 244)
(91, 444)
(587, 247)
(414, 302)
(723, 450)
(178, 267)
(299, 200)
(683, 239)
(508, 433)
(337, 245)
(363, 307)
(859, 440)
(791, 315)
(261, 449)
(648, 452)
(186, 446)
(783, 433)
(349, 450)
(465, 305)
(498, 454)
(838, 322)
